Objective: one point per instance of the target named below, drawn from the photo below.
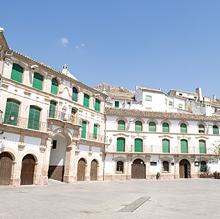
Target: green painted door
(120, 145)
(166, 146)
(74, 94)
(138, 145)
(17, 73)
(34, 118)
(95, 131)
(54, 86)
(97, 105)
(184, 146)
(84, 127)
(202, 147)
(86, 100)
(11, 112)
(52, 109)
(38, 81)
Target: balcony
(93, 137)
(24, 123)
(64, 117)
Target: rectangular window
(97, 105)
(34, 118)
(86, 100)
(95, 131)
(17, 73)
(180, 106)
(38, 81)
(54, 144)
(153, 163)
(116, 104)
(170, 103)
(148, 98)
(84, 128)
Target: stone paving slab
(195, 198)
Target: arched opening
(183, 128)
(6, 162)
(94, 170)
(57, 157)
(184, 169)
(138, 126)
(27, 170)
(81, 170)
(166, 166)
(166, 127)
(121, 125)
(138, 169)
(54, 86)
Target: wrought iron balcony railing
(93, 137)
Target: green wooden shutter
(54, 86)
(183, 128)
(166, 127)
(52, 109)
(17, 73)
(184, 146)
(138, 145)
(116, 104)
(74, 94)
(121, 125)
(202, 147)
(166, 146)
(83, 133)
(138, 126)
(11, 112)
(215, 130)
(152, 127)
(95, 131)
(86, 100)
(38, 81)
(97, 105)
(120, 145)
(34, 118)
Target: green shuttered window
(152, 127)
(120, 145)
(84, 128)
(95, 131)
(97, 105)
(202, 147)
(183, 128)
(116, 104)
(54, 86)
(121, 125)
(138, 145)
(17, 73)
(166, 146)
(38, 81)
(74, 94)
(166, 127)
(11, 112)
(138, 126)
(52, 110)
(215, 130)
(86, 100)
(34, 118)
(184, 146)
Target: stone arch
(94, 170)
(138, 169)
(81, 169)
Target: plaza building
(52, 126)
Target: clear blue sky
(159, 43)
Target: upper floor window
(17, 73)
(12, 112)
(97, 105)
(74, 94)
(120, 144)
(38, 81)
(95, 131)
(202, 147)
(54, 86)
(215, 130)
(148, 98)
(84, 129)
(121, 125)
(166, 146)
(183, 128)
(52, 110)
(184, 146)
(116, 104)
(152, 127)
(86, 100)
(201, 129)
(138, 126)
(166, 127)
(138, 145)
(34, 118)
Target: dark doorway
(184, 169)
(138, 169)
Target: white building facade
(52, 126)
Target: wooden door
(94, 170)
(81, 170)
(5, 168)
(184, 169)
(138, 170)
(27, 170)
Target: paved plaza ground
(195, 198)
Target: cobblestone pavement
(196, 198)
